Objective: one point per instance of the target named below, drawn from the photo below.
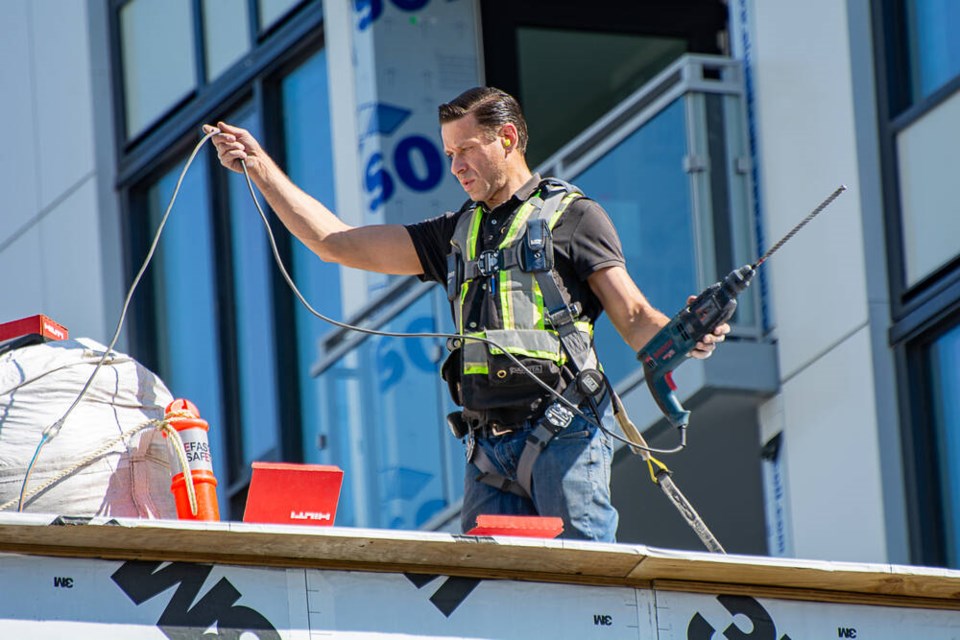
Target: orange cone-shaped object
(184, 416)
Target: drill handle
(664, 392)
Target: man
(485, 137)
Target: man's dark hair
(492, 108)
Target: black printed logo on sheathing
(762, 625)
(188, 617)
(451, 593)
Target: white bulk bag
(38, 384)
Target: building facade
(827, 427)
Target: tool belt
(588, 386)
(461, 426)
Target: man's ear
(508, 135)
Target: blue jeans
(571, 480)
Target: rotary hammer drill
(714, 306)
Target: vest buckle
(558, 417)
(488, 262)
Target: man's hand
(706, 347)
(235, 145)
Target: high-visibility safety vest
(525, 312)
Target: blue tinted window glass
(934, 45)
(408, 432)
(643, 186)
(945, 375)
(185, 303)
(455, 448)
(253, 313)
(383, 414)
(306, 121)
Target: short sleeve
(591, 241)
(431, 238)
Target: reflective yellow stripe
(563, 206)
(474, 367)
(532, 298)
(463, 297)
(473, 235)
(584, 326)
(519, 220)
(504, 290)
(538, 312)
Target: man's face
(477, 159)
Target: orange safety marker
(184, 416)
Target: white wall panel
(805, 123)
(63, 106)
(832, 453)
(18, 162)
(72, 281)
(21, 264)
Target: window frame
(251, 83)
(920, 313)
(911, 305)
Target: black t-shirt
(584, 241)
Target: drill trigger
(670, 383)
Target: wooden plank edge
(807, 594)
(247, 560)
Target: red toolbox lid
(527, 526)
(287, 493)
(38, 324)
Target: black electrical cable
(454, 336)
(52, 430)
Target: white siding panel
(833, 458)
(21, 264)
(64, 109)
(18, 163)
(806, 132)
(72, 280)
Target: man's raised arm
(380, 248)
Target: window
(307, 140)
(214, 319)
(918, 70)
(930, 375)
(166, 59)
(226, 31)
(656, 232)
(253, 309)
(587, 60)
(186, 318)
(934, 49)
(667, 165)
(271, 11)
(943, 371)
(159, 69)
(413, 467)
(628, 60)
(929, 206)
